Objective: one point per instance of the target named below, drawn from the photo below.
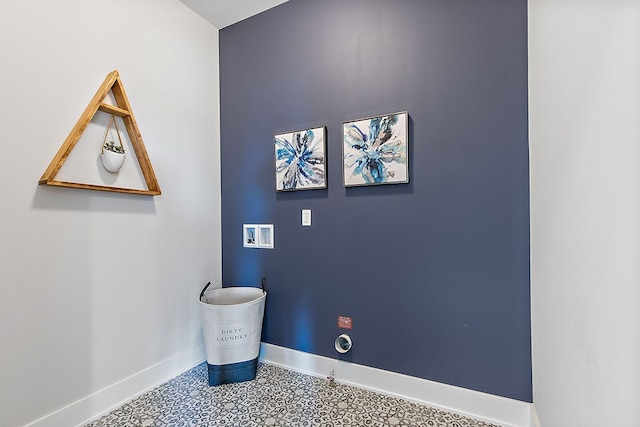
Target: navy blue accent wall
(434, 273)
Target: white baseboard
(102, 401)
(494, 409)
(535, 422)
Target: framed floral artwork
(300, 159)
(376, 150)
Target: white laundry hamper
(232, 328)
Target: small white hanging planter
(112, 161)
(112, 155)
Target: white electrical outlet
(306, 217)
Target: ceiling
(221, 13)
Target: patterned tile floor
(277, 397)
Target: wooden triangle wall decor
(122, 109)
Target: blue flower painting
(300, 160)
(376, 150)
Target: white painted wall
(585, 210)
(97, 287)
